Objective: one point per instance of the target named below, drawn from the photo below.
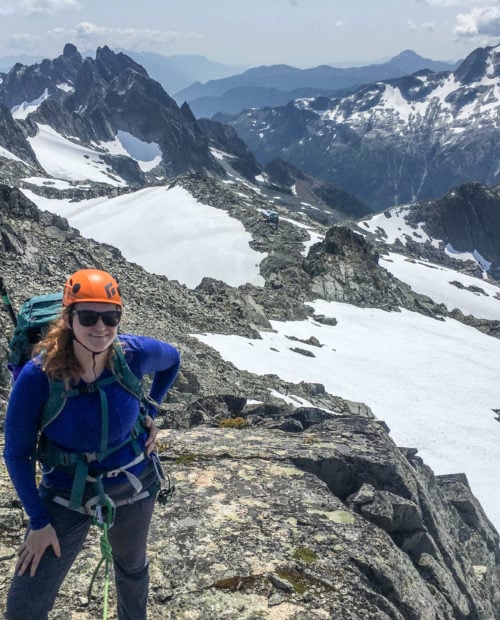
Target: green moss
(185, 459)
(342, 516)
(305, 555)
(303, 582)
(233, 423)
(299, 582)
(236, 583)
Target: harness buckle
(104, 513)
(88, 388)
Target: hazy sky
(302, 33)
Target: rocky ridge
(280, 512)
(468, 219)
(92, 100)
(465, 220)
(96, 103)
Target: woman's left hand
(153, 431)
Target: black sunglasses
(87, 318)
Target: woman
(95, 432)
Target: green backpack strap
(58, 394)
(124, 375)
(130, 382)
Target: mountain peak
(70, 50)
(478, 63)
(410, 62)
(110, 64)
(406, 54)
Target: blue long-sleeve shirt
(78, 427)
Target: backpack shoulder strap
(124, 375)
(57, 399)
(58, 392)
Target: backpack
(33, 320)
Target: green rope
(104, 517)
(107, 558)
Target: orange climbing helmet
(91, 285)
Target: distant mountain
(409, 62)
(311, 189)
(323, 202)
(266, 84)
(180, 71)
(391, 142)
(7, 62)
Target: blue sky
(302, 33)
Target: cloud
(22, 43)
(426, 26)
(87, 36)
(449, 3)
(479, 21)
(36, 7)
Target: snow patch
(435, 383)
(168, 232)
(22, 110)
(147, 154)
(485, 305)
(64, 159)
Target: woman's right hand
(34, 546)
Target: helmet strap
(94, 353)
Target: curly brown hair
(59, 361)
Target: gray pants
(33, 597)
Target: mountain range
(173, 72)
(394, 141)
(132, 131)
(275, 85)
(180, 71)
(195, 78)
(332, 433)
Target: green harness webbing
(51, 455)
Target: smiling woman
(96, 446)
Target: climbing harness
(103, 511)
